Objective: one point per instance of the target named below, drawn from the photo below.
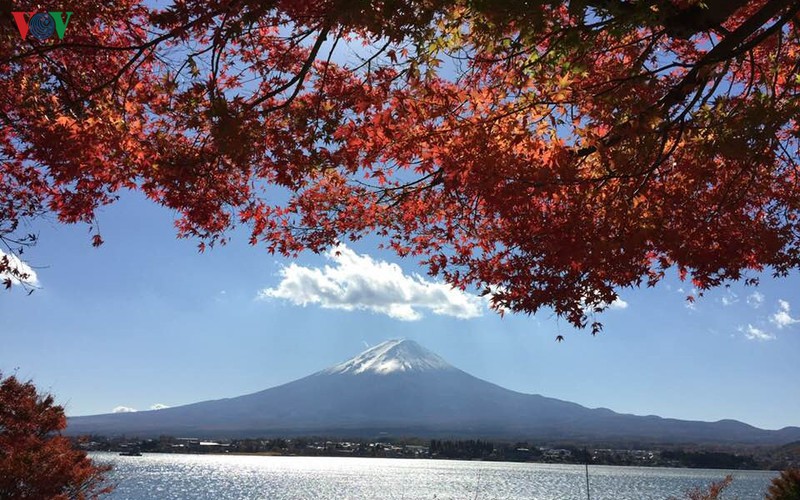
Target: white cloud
(15, 262)
(729, 299)
(782, 318)
(123, 409)
(755, 300)
(618, 304)
(359, 282)
(591, 302)
(158, 406)
(753, 333)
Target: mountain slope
(400, 388)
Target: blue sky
(146, 319)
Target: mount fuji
(399, 388)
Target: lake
(227, 477)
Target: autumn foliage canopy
(548, 153)
(786, 486)
(35, 461)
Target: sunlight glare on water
(225, 477)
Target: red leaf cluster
(35, 460)
(549, 153)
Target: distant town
(766, 458)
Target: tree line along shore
(692, 456)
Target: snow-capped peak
(392, 356)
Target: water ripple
(226, 477)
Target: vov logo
(41, 25)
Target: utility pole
(586, 455)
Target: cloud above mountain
(358, 282)
(123, 409)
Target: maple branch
(734, 44)
(298, 78)
(731, 46)
(145, 47)
(324, 78)
(368, 61)
(409, 188)
(678, 22)
(711, 14)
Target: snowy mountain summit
(392, 356)
(399, 388)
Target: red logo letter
(22, 24)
